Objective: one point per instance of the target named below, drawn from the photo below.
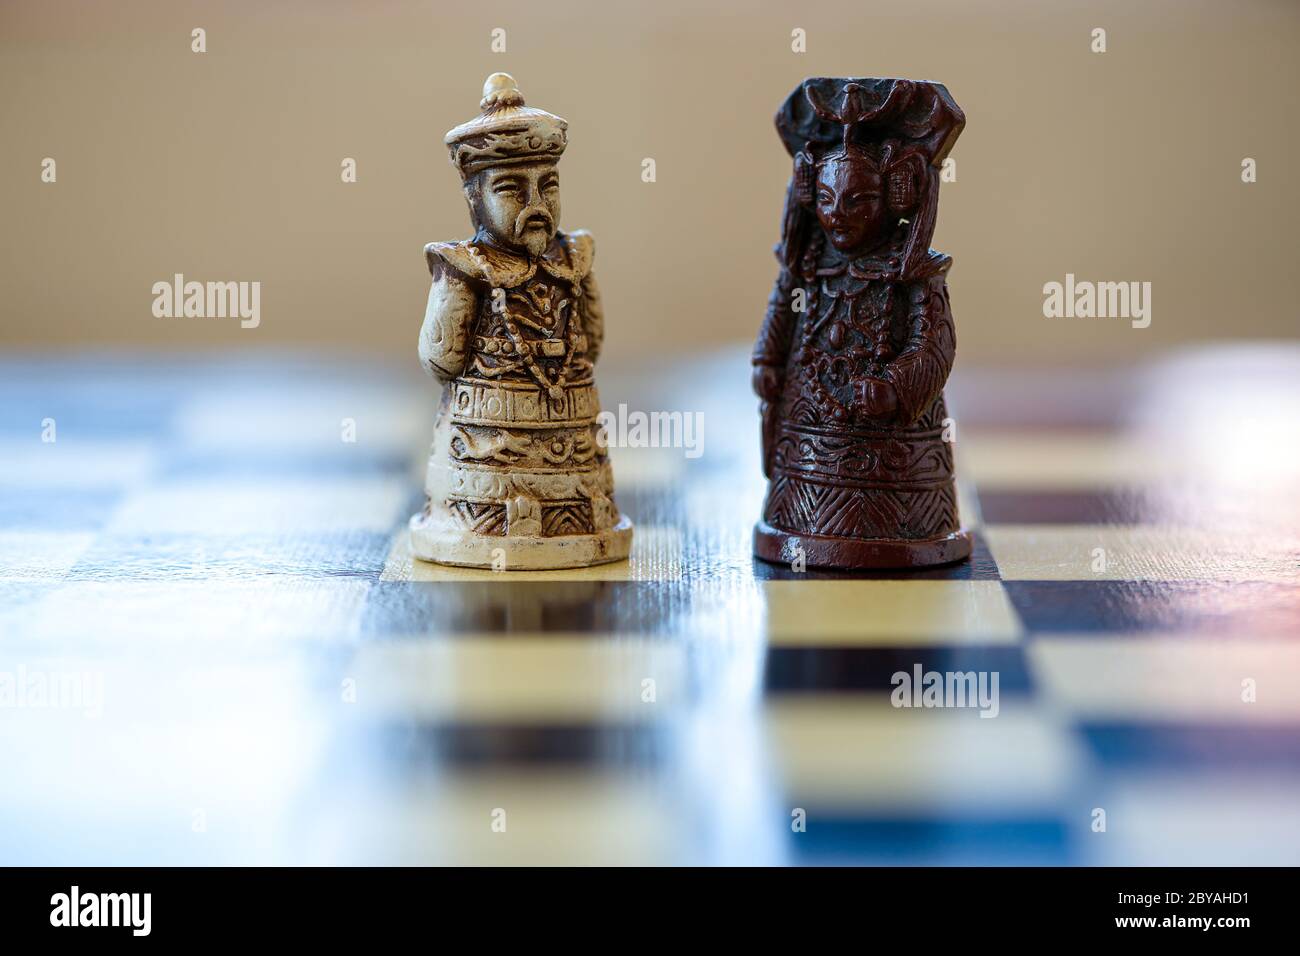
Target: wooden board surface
(215, 647)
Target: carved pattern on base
(802, 505)
(571, 517)
(557, 518)
(479, 517)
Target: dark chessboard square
(97, 398)
(1018, 506)
(1245, 746)
(1250, 608)
(805, 670)
(514, 746)
(186, 556)
(834, 837)
(595, 608)
(347, 460)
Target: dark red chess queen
(858, 338)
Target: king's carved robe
(835, 468)
(513, 338)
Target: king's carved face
(517, 206)
(851, 203)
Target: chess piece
(858, 338)
(518, 476)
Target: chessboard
(216, 648)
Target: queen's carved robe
(834, 469)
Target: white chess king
(518, 478)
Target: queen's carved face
(851, 203)
(517, 206)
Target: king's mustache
(532, 212)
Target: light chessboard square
(1041, 552)
(539, 678)
(1184, 819)
(246, 614)
(647, 468)
(889, 613)
(575, 819)
(258, 505)
(39, 556)
(341, 417)
(1055, 460)
(1165, 678)
(968, 505)
(75, 462)
(656, 556)
(862, 752)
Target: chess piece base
(820, 551)
(467, 549)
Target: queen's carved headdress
(506, 132)
(902, 129)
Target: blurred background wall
(225, 165)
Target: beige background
(225, 165)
